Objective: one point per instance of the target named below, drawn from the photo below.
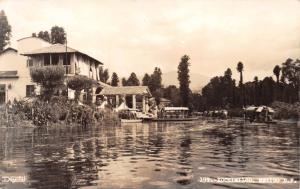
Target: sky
(138, 35)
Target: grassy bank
(57, 111)
(286, 111)
(282, 111)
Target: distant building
(165, 102)
(15, 81)
(138, 96)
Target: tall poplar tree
(155, 82)
(132, 80)
(184, 79)
(114, 80)
(146, 80)
(5, 31)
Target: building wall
(10, 61)
(31, 43)
(84, 65)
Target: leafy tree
(5, 31)
(124, 82)
(79, 83)
(255, 79)
(146, 80)
(184, 80)
(290, 76)
(132, 80)
(289, 72)
(172, 93)
(155, 82)
(44, 35)
(58, 35)
(114, 79)
(228, 73)
(101, 73)
(105, 76)
(50, 78)
(199, 103)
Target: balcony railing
(68, 69)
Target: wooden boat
(176, 119)
(174, 114)
(131, 120)
(271, 122)
(129, 116)
(261, 114)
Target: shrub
(78, 83)
(286, 111)
(49, 77)
(58, 110)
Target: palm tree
(276, 72)
(256, 95)
(240, 69)
(255, 79)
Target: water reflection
(153, 155)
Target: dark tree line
(131, 81)
(222, 91)
(179, 96)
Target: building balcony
(69, 70)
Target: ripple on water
(154, 155)
(160, 184)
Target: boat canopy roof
(176, 108)
(251, 108)
(260, 109)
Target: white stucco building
(15, 64)
(15, 81)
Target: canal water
(150, 155)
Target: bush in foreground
(57, 111)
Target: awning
(261, 108)
(126, 90)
